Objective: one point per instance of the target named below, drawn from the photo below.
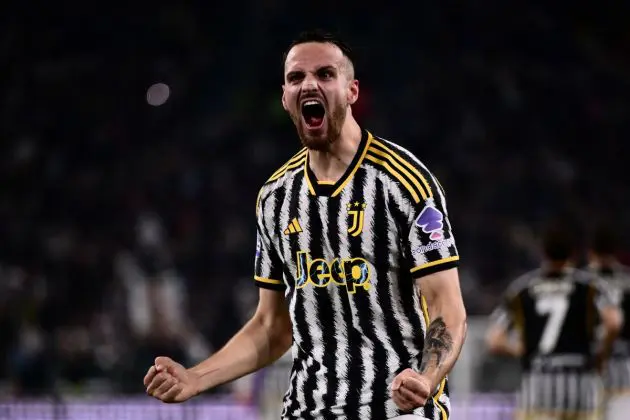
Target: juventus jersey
(345, 255)
(555, 315)
(617, 278)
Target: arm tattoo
(438, 343)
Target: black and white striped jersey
(346, 255)
(617, 278)
(575, 394)
(555, 315)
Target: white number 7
(556, 307)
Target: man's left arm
(447, 328)
(433, 258)
(442, 343)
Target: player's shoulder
(587, 279)
(403, 168)
(281, 175)
(583, 276)
(391, 147)
(523, 282)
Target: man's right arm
(267, 336)
(498, 340)
(262, 341)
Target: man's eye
(294, 78)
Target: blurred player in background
(348, 229)
(554, 311)
(603, 261)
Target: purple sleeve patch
(431, 221)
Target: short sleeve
(268, 265)
(503, 316)
(430, 242)
(606, 295)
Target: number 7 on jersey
(555, 307)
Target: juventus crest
(356, 211)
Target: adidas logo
(294, 227)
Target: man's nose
(309, 84)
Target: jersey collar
(319, 188)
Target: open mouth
(313, 113)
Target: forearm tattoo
(438, 344)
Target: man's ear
(284, 99)
(353, 92)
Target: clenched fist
(411, 390)
(170, 382)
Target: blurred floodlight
(157, 94)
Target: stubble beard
(332, 132)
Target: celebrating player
(348, 230)
(554, 310)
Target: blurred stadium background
(127, 211)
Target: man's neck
(330, 165)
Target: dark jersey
(555, 316)
(345, 255)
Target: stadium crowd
(128, 230)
